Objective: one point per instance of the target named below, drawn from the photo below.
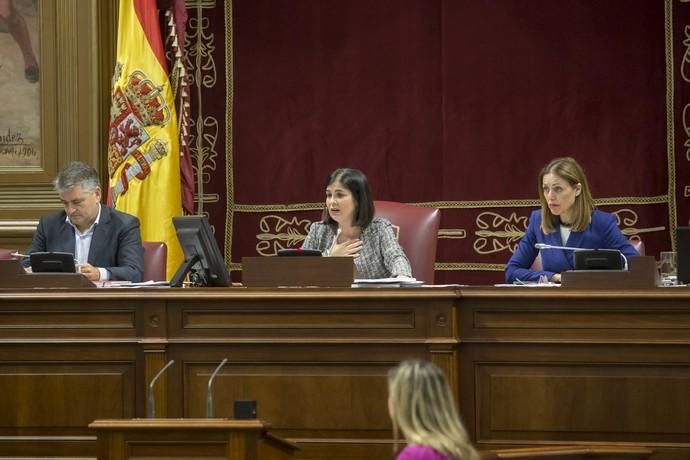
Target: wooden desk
(315, 360)
(531, 367)
(186, 438)
(545, 366)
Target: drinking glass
(668, 266)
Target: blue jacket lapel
(575, 240)
(565, 255)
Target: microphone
(152, 400)
(209, 393)
(552, 246)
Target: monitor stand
(181, 273)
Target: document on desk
(387, 282)
(529, 285)
(129, 284)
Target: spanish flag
(143, 150)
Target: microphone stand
(541, 246)
(152, 400)
(209, 393)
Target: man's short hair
(77, 173)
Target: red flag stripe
(147, 12)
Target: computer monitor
(599, 259)
(52, 262)
(202, 257)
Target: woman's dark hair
(356, 182)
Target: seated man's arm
(130, 254)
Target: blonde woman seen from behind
(421, 406)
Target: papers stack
(129, 284)
(400, 281)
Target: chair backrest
(6, 254)
(417, 229)
(155, 260)
(634, 240)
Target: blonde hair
(422, 407)
(569, 170)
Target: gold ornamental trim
(468, 266)
(670, 121)
(624, 200)
(278, 207)
(229, 107)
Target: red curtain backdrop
(455, 104)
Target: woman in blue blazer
(567, 218)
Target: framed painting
(20, 119)
(56, 60)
